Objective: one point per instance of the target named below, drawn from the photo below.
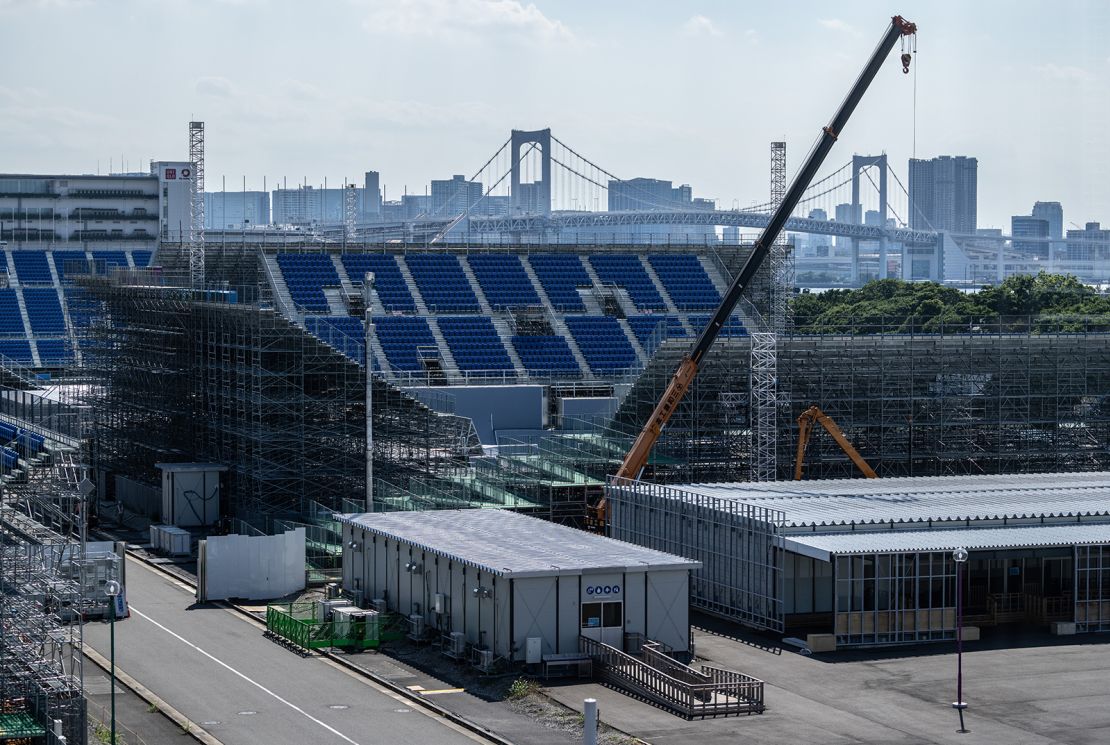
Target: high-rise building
(454, 196)
(371, 198)
(944, 194)
(1026, 226)
(652, 194)
(236, 210)
(1052, 213)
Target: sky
(688, 91)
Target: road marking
(255, 683)
(441, 690)
(415, 688)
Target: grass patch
(522, 688)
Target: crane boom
(637, 456)
(805, 428)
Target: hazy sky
(688, 91)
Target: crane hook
(906, 57)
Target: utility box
(533, 650)
(190, 493)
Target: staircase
(337, 305)
(450, 367)
(561, 329)
(537, 285)
(501, 326)
(476, 287)
(282, 299)
(379, 354)
(659, 286)
(36, 362)
(421, 307)
(641, 354)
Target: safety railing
(299, 624)
(722, 693)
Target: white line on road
(256, 684)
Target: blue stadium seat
(503, 280)
(141, 258)
(734, 327)
(389, 283)
(344, 333)
(602, 342)
(442, 284)
(401, 338)
(105, 261)
(645, 327)
(18, 350)
(474, 344)
(545, 355)
(44, 311)
(54, 351)
(31, 267)
(625, 270)
(306, 276)
(560, 275)
(76, 262)
(685, 280)
(11, 322)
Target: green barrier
(298, 623)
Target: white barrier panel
(254, 567)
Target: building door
(604, 622)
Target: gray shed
(501, 578)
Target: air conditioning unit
(378, 604)
(483, 659)
(416, 627)
(456, 645)
(324, 608)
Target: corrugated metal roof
(923, 498)
(894, 541)
(509, 544)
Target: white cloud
(464, 20)
(1068, 73)
(836, 24)
(700, 26)
(215, 86)
(752, 36)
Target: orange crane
(637, 457)
(814, 415)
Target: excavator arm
(636, 459)
(805, 428)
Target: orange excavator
(637, 457)
(813, 415)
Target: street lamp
(960, 557)
(111, 589)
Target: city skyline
(289, 98)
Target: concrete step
(476, 286)
(561, 328)
(450, 367)
(537, 285)
(659, 286)
(421, 307)
(641, 355)
(27, 325)
(505, 333)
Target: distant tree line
(1041, 303)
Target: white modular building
(515, 585)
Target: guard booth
(514, 586)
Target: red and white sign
(171, 174)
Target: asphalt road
(217, 669)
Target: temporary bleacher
(647, 325)
(561, 275)
(685, 280)
(389, 283)
(625, 270)
(141, 258)
(105, 261)
(602, 342)
(31, 268)
(474, 344)
(54, 351)
(402, 339)
(11, 321)
(344, 333)
(442, 283)
(503, 280)
(733, 327)
(69, 263)
(546, 355)
(44, 311)
(17, 349)
(306, 276)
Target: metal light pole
(368, 330)
(111, 589)
(960, 557)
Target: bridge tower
(859, 163)
(540, 201)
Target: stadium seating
(77, 262)
(646, 325)
(685, 280)
(625, 270)
(11, 322)
(474, 343)
(503, 280)
(306, 276)
(546, 355)
(44, 311)
(560, 275)
(31, 268)
(389, 283)
(9, 458)
(54, 351)
(734, 327)
(401, 338)
(18, 350)
(105, 261)
(341, 332)
(602, 342)
(442, 284)
(141, 258)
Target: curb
(389, 685)
(189, 727)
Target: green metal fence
(300, 625)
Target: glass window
(612, 615)
(591, 615)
